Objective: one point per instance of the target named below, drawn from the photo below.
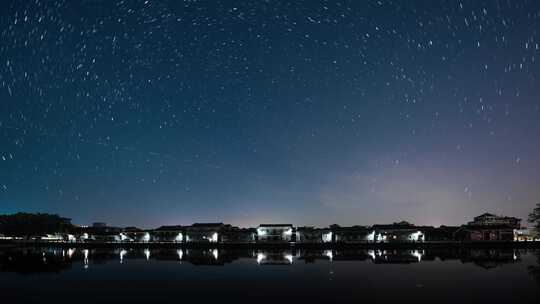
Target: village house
(275, 233)
(239, 235)
(440, 234)
(312, 235)
(485, 233)
(205, 232)
(354, 234)
(488, 219)
(169, 234)
(134, 234)
(489, 227)
(524, 235)
(397, 232)
(100, 232)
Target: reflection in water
(123, 252)
(289, 258)
(147, 254)
(180, 254)
(534, 270)
(274, 257)
(329, 254)
(260, 257)
(86, 252)
(418, 254)
(70, 252)
(28, 260)
(354, 275)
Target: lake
(56, 275)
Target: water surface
(55, 275)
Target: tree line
(28, 224)
(534, 218)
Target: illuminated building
(488, 219)
(275, 233)
(169, 234)
(205, 232)
(401, 232)
(313, 235)
(354, 234)
(489, 227)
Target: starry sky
(310, 112)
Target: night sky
(310, 112)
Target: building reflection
(534, 270)
(275, 257)
(491, 258)
(36, 260)
(30, 261)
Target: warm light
(146, 237)
(214, 237)
(179, 238)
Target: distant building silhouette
(485, 227)
(488, 219)
(489, 227)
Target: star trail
(311, 112)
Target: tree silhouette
(534, 270)
(28, 224)
(534, 217)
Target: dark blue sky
(311, 112)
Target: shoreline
(424, 245)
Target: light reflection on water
(485, 258)
(348, 273)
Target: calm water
(223, 276)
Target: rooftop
(168, 228)
(275, 225)
(207, 224)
